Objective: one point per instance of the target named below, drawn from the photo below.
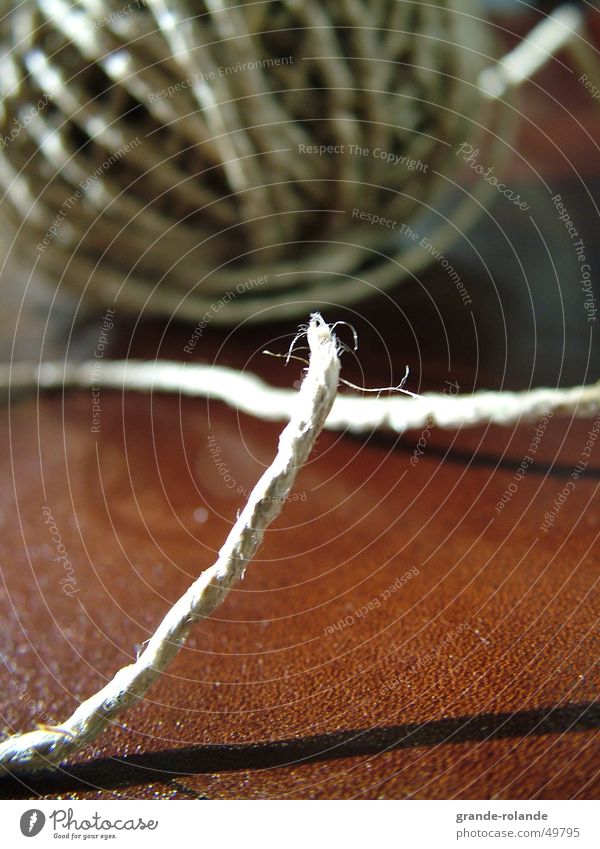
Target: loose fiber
(48, 746)
(247, 393)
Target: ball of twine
(177, 155)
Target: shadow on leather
(111, 773)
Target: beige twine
(247, 393)
(313, 408)
(231, 143)
(187, 194)
(49, 746)
(160, 148)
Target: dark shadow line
(509, 464)
(111, 773)
(475, 460)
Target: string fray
(49, 746)
(315, 406)
(247, 393)
(342, 349)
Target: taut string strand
(50, 745)
(247, 393)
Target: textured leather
(333, 670)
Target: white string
(247, 393)
(50, 745)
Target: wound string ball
(267, 152)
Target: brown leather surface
(476, 677)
